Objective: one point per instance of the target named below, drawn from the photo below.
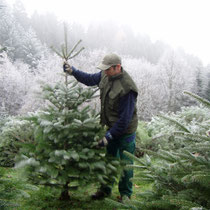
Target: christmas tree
(64, 152)
(180, 176)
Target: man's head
(111, 64)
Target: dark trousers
(115, 148)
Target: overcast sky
(180, 23)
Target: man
(118, 95)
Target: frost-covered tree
(20, 14)
(6, 23)
(14, 84)
(175, 76)
(15, 34)
(25, 46)
(46, 71)
(206, 82)
(145, 76)
(199, 82)
(48, 29)
(161, 86)
(31, 48)
(11, 32)
(207, 88)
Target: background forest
(173, 133)
(160, 72)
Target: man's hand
(103, 142)
(67, 68)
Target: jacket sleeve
(86, 78)
(126, 109)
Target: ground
(47, 198)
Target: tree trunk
(65, 193)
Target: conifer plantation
(50, 124)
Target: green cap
(108, 61)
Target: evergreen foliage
(66, 132)
(3, 49)
(14, 130)
(11, 189)
(65, 53)
(143, 140)
(190, 120)
(204, 101)
(3, 112)
(207, 88)
(181, 174)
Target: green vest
(111, 89)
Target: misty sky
(180, 23)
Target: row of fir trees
(179, 168)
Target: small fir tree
(64, 152)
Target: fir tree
(180, 177)
(20, 14)
(64, 152)
(31, 48)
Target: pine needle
(198, 98)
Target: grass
(47, 198)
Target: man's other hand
(103, 142)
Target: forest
(49, 124)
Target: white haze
(180, 23)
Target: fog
(179, 23)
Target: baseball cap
(108, 61)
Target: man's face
(113, 70)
